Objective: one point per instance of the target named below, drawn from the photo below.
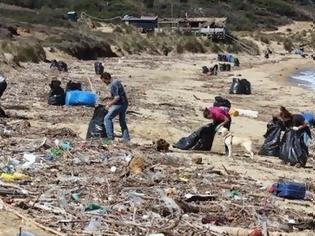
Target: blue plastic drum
(80, 98)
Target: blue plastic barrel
(80, 98)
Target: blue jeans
(114, 111)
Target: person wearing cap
(117, 106)
(3, 87)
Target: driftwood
(27, 219)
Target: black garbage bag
(96, 126)
(205, 70)
(201, 139)
(221, 102)
(246, 86)
(56, 95)
(59, 65)
(293, 149)
(99, 68)
(240, 86)
(71, 86)
(214, 70)
(206, 136)
(187, 143)
(272, 144)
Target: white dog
(231, 140)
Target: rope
(100, 19)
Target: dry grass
(24, 50)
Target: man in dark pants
(3, 86)
(117, 106)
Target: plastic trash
(92, 207)
(113, 169)
(9, 169)
(169, 203)
(289, 190)
(13, 177)
(80, 98)
(62, 199)
(30, 160)
(63, 145)
(247, 113)
(93, 226)
(55, 152)
(24, 234)
(193, 197)
(75, 197)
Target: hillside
(243, 14)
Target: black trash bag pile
(99, 68)
(272, 144)
(240, 86)
(96, 126)
(225, 67)
(59, 65)
(201, 139)
(56, 95)
(294, 149)
(289, 147)
(221, 102)
(72, 86)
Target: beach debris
(197, 160)
(161, 145)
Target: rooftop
(145, 18)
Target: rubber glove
(217, 128)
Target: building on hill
(214, 28)
(145, 24)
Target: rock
(197, 160)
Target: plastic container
(80, 98)
(289, 190)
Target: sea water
(305, 78)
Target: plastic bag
(96, 126)
(56, 95)
(240, 86)
(293, 149)
(221, 102)
(187, 143)
(200, 140)
(99, 68)
(272, 144)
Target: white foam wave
(306, 78)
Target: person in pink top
(219, 116)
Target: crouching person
(116, 106)
(3, 87)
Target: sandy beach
(167, 95)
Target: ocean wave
(306, 78)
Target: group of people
(117, 104)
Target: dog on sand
(230, 140)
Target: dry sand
(163, 91)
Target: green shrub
(24, 50)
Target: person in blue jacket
(309, 118)
(117, 106)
